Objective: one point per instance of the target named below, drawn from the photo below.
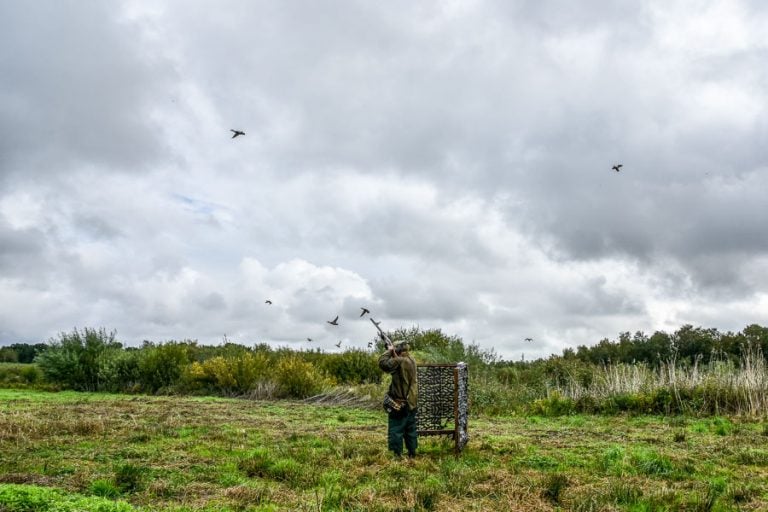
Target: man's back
(402, 368)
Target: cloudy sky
(444, 164)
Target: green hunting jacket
(404, 385)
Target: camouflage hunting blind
(443, 401)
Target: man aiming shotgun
(387, 342)
(402, 395)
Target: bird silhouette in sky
(370, 344)
(236, 133)
(529, 339)
(338, 345)
(309, 340)
(335, 321)
(617, 167)
(364, 311)
(267, 301)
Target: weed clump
(256, 464)
(651, 463)
(554, 484)
(105, 488)
(129, 477)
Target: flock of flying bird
(335, 321)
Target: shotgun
(388, 341)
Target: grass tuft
(650, 462)
(130, 478)
(554, 484)
(104, 488)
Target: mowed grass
(79, 451)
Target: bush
(79, 360)
(352, 367)
(236, 375)
(121, 372)
(160, 366)
(8, 355)
(19, 375)
(554, 405)
(297, 378)
(491, 397)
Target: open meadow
(86, 451)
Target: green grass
(24, 498)
(99, 452)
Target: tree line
(21, 352)
(687, 345)
(714, 371)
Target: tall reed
(720, 386)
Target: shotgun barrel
(388, 341)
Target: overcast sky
(444, 164)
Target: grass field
(78, 451)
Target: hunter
(404, 390)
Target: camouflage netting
(444, 401)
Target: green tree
(693, 343)
(78, 360)
(28, 352)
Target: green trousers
(402, 427)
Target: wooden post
(456, 410)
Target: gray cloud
(77, 89)
(22, 249)
(449, 164)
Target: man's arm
(388, 361)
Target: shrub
(160, 366)
(236, 375)
(491, 397)
(352, 367)
(297, 378)
(31, 374)
(21, 375)
(120, 373)
(79, 360)
(554, 405)
(8, 355)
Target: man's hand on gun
(387, 342)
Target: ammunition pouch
(392, 405)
